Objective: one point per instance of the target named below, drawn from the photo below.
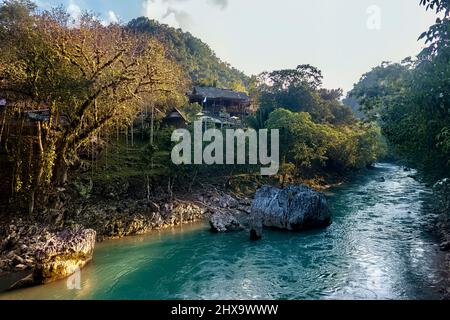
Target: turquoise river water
(376, 248)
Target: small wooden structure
(175, 118)
(42, 115)
(216, 101)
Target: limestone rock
(63, 255)
(224, 222)
(294, 208)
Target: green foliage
(157, 155)
(412, 105)
(90, 79)
(298, 90)
(438, 36)
(305, 75)
(379, 87)
(317, 147)
(353, 104)
(411, 100)
(318, 133)
(191, 110)
(196, 57)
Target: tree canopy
(319, 134)
(195, 56)
(89, 78)
(411, 99)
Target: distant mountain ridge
(196, 57)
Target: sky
(343, 38)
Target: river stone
(445, 246)
(294, 208)
(63, 255)
(441, 192)
(224, 222)
(256, 227)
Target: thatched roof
(176, 114)
(217, 93)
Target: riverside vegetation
(93, 164)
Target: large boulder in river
(294, 208)
(224, 222)
(63, 255)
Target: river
(376, 248)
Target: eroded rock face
(64, 254)
(34, 253)
(256, 227)
(114, 220)
(227, 213)
(224, 222)
(19, 242)
(294, 208)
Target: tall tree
(438, 36)
(90, 78)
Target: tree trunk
(3, 125)
(142, 128)
(170, 187)
(147, 180)
(39, 171)
(192, 181)
(16, 156)
(152, 130)
(132, 135)
(61, 167)
(126, 135)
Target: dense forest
(87, 118)
(195, 56)
(90, 80)
(411, 99)
(95, 86)
(319, 135)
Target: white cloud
(173, 12)
(221, 3)
(112, 17)
(181, 18)
(74, 10)
(162, 11)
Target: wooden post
(3, 125)
(106, 156)
(132, 135)
(92, 159)
(142, 127)
(152, 130)
(126, 135)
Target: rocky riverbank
(441, 191)
(24, 243)
(63, 240)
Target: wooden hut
(216, 100)
(175, 118)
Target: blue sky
(344, 38)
